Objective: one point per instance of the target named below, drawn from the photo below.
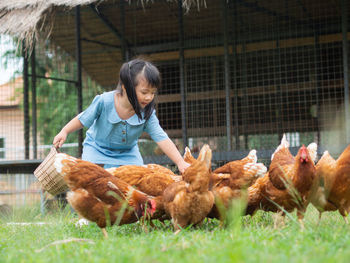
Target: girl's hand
(182, 166)
(60, 139)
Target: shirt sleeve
(153, 128)
(88, 116)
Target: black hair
(129, 77)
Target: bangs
(152, 75)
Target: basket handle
(56, 148)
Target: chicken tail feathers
(188, 156)
(255, 169)
(284, 144)
(252, 156)
(63, 160)
(205, 155)
(312, 148)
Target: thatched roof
(55, 19)
(24, 18)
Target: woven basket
(51, 181)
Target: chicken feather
(100, 197)
(288, 185)
(150, 181)
(334, 190)
(189, 201)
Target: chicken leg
(278, 219)
(104, 232)
(344, 214)
(300, 214)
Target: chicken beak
(140, 211)
(150, 208)
(304, 159)
(153, 206)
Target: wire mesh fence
(235, 74)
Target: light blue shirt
(111, 140)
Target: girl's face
(144, 92)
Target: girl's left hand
(182, 166)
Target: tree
(56, 100)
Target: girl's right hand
(182, 166)
(59, 139)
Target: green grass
(245, 239)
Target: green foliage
(56, 100)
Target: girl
(116, 119)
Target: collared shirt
(111, 140)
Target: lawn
(245, 239)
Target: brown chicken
(149, 181)
(334, 191)
(189, 201)
(159, 168)
(228, 181)
(214, 178)
(243, 173)
(100, 197)
(288, 184)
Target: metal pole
(317, 89)
(125, 52)
(245, 94)
(42, 202)
(25, 102)
(79, 78)
(53, 78)
(227, 77)
(344, 16)
(182, 74)
(34, 120)
(235, 98)
(277, 78)
(280, 91)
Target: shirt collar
(112, 114)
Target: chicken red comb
(303, 154)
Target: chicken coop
(236, 74)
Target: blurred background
(235, 75)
